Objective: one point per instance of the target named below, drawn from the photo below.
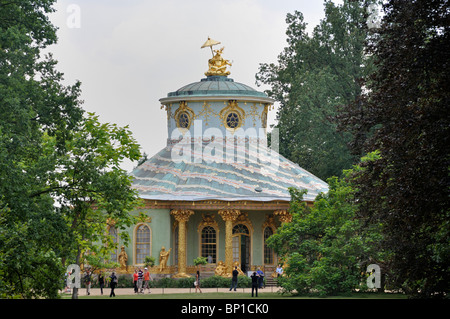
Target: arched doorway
(241, 246)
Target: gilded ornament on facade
(168, 109)
(264, 115)
(184, 116)
(182, 215)
(269, 222)
(206, 112)
(207, 220)
(243, 219)
(232, 116)
(254, 113)
(229, 214)
(283, 215)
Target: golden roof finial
(217, 64)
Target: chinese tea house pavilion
(216, 190)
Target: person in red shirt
(147, 278)
(135, 279)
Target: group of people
(101, 281)
(141, 280)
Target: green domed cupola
(216, 101)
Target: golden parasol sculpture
(209, 43)
(217, 64)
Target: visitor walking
(135, 279)
(113, 284)
(234, 279)
(87, 280)
(140, 279)
(147, 278)
(197, 281)
(254, 277)
(101, 281)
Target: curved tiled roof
(216, 85)
(163, 178)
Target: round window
(232, 120)
(183, 120)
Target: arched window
(142, 243)
(241, 246)
(241, 229)
(209, 244)
(113, 233)
(268, 252)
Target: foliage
(149, 261)
(325, 248)
(222, 282)
(92, 190)
(126, 281)
(200, 261)
(315, 74)
(60, 180)
(34, 106)
(210, 282)
(404, 113)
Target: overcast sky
(130, 53)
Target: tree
(33, 104)
(92, 190)
(405, 115)
(60, 176)
(314, 75)
(326, 248)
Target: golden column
(182, 216)
(229, 216)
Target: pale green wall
(160, 226)
(161, 232)
(257, 218)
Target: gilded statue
(217, 64)
(220, 270)
(163, 257)
(238, 268)
(123, 258)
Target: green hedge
(126, 281)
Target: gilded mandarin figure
(238, 268)
(217, 64)
(220, 270)
(163, 257)
(123, 259)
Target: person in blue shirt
(260, 278)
